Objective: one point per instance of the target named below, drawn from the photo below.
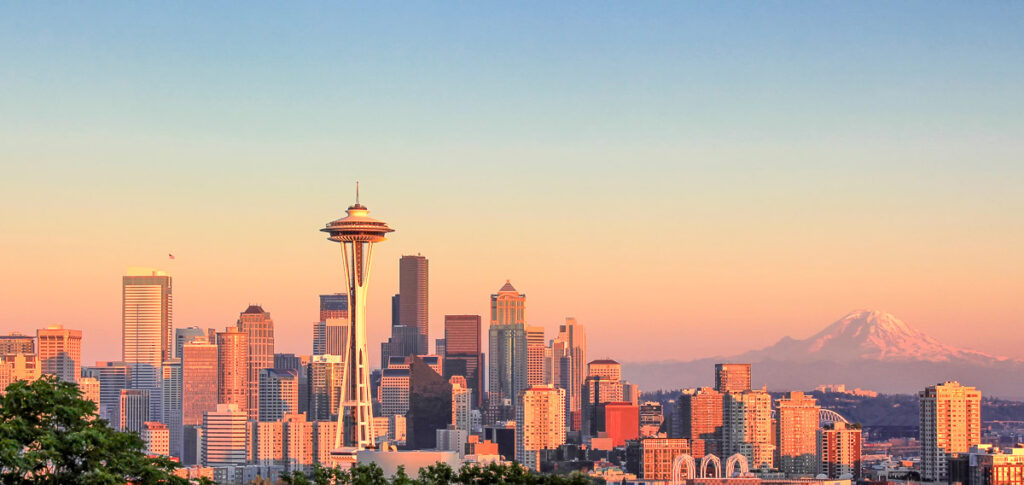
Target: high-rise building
(233, 368)
(621, 422)
(357, 232)
(568, 367)
(16, 343)
(796, 439)
(113, 377)
(224, 431)
(330, 334)
(146, 331)
(440, 347)
(652, 416)
(394, 391)
(323, 440)
(700, 420)
(171, 388)
(507, 343)
(185, 335)
(18, 367)
(413, 300)
(198, 380)
(157, 438)
(333, 305)
(299, 364)
(134, 409)
(606, 368)
(259, 330)
(602, 385)
(540, 423)
(657, 455)
(90, 387)
(746, 427)
(430, 404)
(325, 386)
(732, 377)
(60, 352)
(839, 451)
(463, 355)
(950, 422)
(534, 355)
(461, 403)
(279, 393)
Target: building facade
(950, 422)
(540, 423)
(259, 331)
(60, 352)
(796, 438)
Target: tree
(50, 435)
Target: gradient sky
(688, 179)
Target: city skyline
(798, 163)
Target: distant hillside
(867, 349)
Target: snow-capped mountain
(868, 335)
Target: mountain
(865, 348)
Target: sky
(687, 179)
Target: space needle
(357, 232)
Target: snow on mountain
(868, 335)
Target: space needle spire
(357, 232)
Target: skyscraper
(185, 335)
(700, 420)
(170, 383)
(732, 377)
(508, 360)
(570, 350)
(463, 355)
(394, 391)
(839, 451)
(146, 318)
(134, 409)
(357, 232)
(113, 377)
(534, 355)
(60, 352)
(950, 420)
(330, 334)
(746, 427)
(198, 380)
(157, 438)
(325, 386)
(540, 423)
(259, 331)
(413, 300)
(797, 440)
(233, 368)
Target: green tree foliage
(50, 435)
(437, 474)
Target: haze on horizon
(687, 180)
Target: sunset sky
(686, 179)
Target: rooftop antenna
(357, 192)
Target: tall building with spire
(507, 367)
(146, 329)
(357, 232)
(413, 282)
(259, 331)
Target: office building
(171, 389)
(950, 422)
(333, 306)
(198, 380)
(461, 404)
(330, 334)
(279, 393)
(621, 422)
(732, 377)
(508, 360)
(540, 423)
(233, 368)
(413, 298)
(185, 335)
(224, 441)
(652, 416)
(325, 387)
(657, 455)
(113, 377)
(430, 404)
(988, 465)
(463, 353)
(259, 330)
(60, 352)
(839, 451)
(134, 409)
(796, 438)
(18, 367)
(394, 391)
(299, 364)
(90, 388)
(146, 328)
(534, 355)
(568, 368)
